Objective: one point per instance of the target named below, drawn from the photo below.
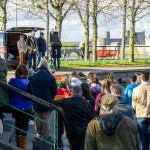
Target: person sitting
(110, 78)
(21, 103)
(77, 114)
(118, 91)
(75, 79)
(90, 76)
(67, 79)
(87, 95)
(105, 89)
(95, 87)
(111, 130)
(129, 90)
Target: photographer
(56, 54)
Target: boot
(18, 140)
(23, 142)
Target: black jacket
(77, 114)
(42, 44)
(56, 50)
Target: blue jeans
(40, 55)
(143, 125)
(56, 66)
(32, 57)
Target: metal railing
(52, 143)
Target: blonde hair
(105, 86)
(66, 78)
(110, 78)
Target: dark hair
(91, 75)
(145, 76)
(21, 71)
(63, 84)
(22, 35)
(86, 91)
(75, 74)
(133, 78)
(95, 80)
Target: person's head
(22, 37)
(95, 80)
(133, 78)
(105, 86)
(21, 71)
(32, 33)
(91, 75)
(117, 90)
(75, 74)
(144, 76)
(77, 90)
(42, 35)
(86, 91)
(110, 77)
(31, 72)
(64, 85)
(108, 102)
(44, 64)
(66, 78)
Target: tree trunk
(47, 26)
(86, 33)
(59, 23)
(132, 33)
(4, 16)
(94, 30)
(124, 29)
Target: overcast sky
(73, 30)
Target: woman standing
(22, 103)
(105, 89)
(4, 95)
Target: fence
(141, 51)
(51, 143)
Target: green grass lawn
(102, 63)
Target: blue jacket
(17, 100)
(42, 44)
(44, 87)
(128, 93)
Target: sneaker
(31, 123)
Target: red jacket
(63, 93)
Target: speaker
(54, 37)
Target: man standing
(77, 114)
(44, 87)
(56, 54)
(111, 130)
(129, 90)
(117, 90)
(32, 47)
(42, 46)
(141, 105)
(22, 47)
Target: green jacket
(4, 93)
(111, 132)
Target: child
(75, 79)
(90, 76)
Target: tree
(84, 17)
(3, 16)
(61, 8)
(138, 10)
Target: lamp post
(16, 13)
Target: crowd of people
(93, 115)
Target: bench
(106, 53)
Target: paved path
(86, 70)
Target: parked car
(8, 43)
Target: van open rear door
(24, 29)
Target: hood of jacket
(110, 123)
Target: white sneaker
(31, 123)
